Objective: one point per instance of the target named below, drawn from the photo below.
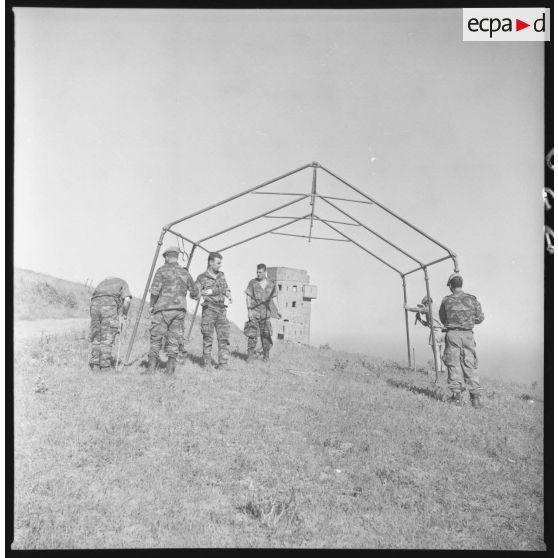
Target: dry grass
(37, 295)
(347, 452)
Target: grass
(317, 448)
(37, 296)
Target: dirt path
(27, 329)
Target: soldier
(460, 312)
(439, 336)
(260, 293)
(110, 299)
(168, 308)
(214, 289)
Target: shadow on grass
(238, 354)
(193, 358)
(530, 398)
(434, 392)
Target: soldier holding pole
(438, 341)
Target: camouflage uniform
(263, 308)
(460, 312)
(106, 302)
(171, 284)
(214, 315)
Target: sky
(127, 120)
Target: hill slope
(37, 295)
(315, 449)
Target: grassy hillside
(37, 296)
(315, 449)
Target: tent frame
(311, 217)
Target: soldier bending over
(110, 299)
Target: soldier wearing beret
(460, 312)
(169, 289)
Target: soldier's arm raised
(420, 308)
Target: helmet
(452, 276)
(171, 249)
(424, 301)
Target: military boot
(251, 356)
(151, 365)
(476, 400)
(456, 398)
(266, 354)
(171, 365)
(95, 368)
(181, 356)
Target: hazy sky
(129, 119)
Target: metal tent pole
(322, 197)
(266, 214)
(191, 256)
(407, 321)
(153, 263)
(436, 363)
(359, 245)
(375, 233)
(431, 263)
(263, 233)
(313, 238)
(312, 199)
(197, 302)
(328, 220)
(237, 196)
(392, 213)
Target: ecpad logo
(506, 24)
